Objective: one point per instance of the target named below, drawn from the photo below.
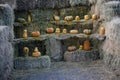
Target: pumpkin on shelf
(94, 17)
(64, 31)
(87, 45)
(74, 31)
(102, 30)
(50, 30)
(35, 34)
(77, 18)
(36, 52)
(86, 17)
(87, 31)
(68, 18)
(57, 30)
(25, 35)
(71, 48)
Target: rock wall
(48, 4)
(6, 36)
(6, 53)
(7, 19)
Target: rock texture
(6, 57)
(27, 63)
(111, 9)
(6, 35)
(54, 49)
(7, 19)
(48, 4)
(81, 55)
(112, 44)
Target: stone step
(110, 10)
(27, 63)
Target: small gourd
(57, 30)
(102, 31)
(25, 35)
(77, 18)
(26, 51)
(81, 47)
(57, 18)
(36, 52)
(87, 45)
(86, 17)
(64, 31)
(94, 17)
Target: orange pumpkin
(73, 31)
(102, 31)
(35, 34)
(36, 52)
(50, 30)
(86, 45)
(71, 48)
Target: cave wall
(6, 36)
(109, 13)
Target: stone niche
(42, 19)
(31, 44)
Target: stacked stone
(6, 36)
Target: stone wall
(6, 36)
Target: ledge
(81, 55)
(59, 37)
(81, 22)
(26, 63)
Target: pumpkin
(36, 52)
(57, 30)
(77, 18)
(35, 34)
(25, 35)
(73, 31)
(87, 31)
(50, 30)
(68, 18)
(71, 48)
(94, 17)
(64, 31)
(86, 45)
(102, 31)
(86, 17)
